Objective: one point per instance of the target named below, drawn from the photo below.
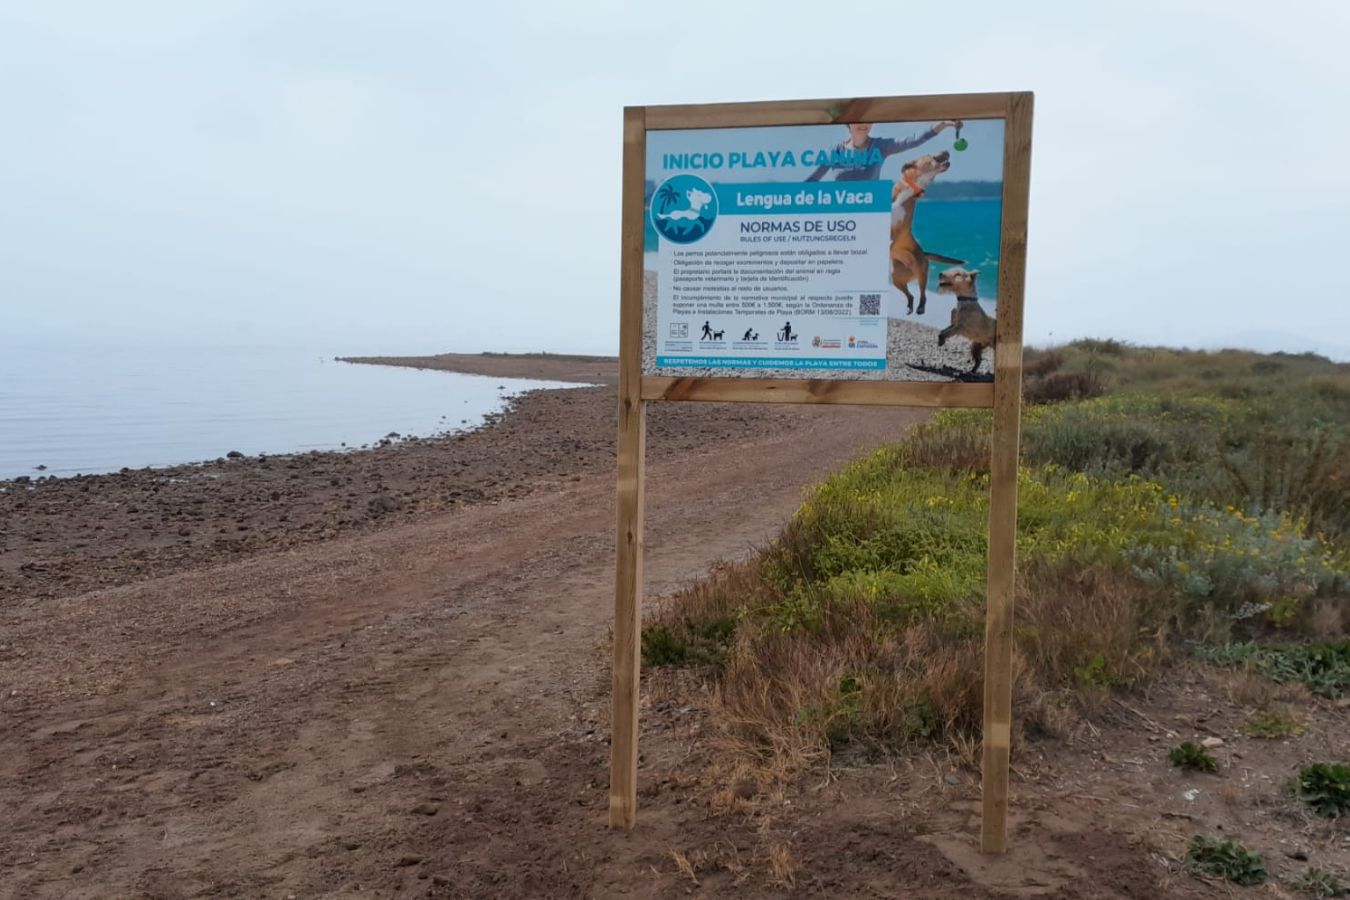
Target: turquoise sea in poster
(965, 229)
(962, 228)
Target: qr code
(869, 304)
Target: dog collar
(918, 191)
(959, 297)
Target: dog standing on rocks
(969, 320)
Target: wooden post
(998, 640)
(623, 749)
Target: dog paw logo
(684, 208)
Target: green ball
(960, 144)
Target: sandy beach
(63, 536)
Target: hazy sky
(384, 177)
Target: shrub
(1296, 471)
(1104, 347)
(1193, 757)
(1269, 725)
(1326, 788)
(863, 615)
(839, 717)
(1060, 386)
(882, 572)
(1318, 883)
(1324, 669)
(1038, 363)
(958, 445)
(1222, 858)
(687, 642)
(660, 647)
(1127, 433)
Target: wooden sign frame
(1003, 396)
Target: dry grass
(790, 699)
(1232, 796)
(684, 865)
(1039, 363)
(1060, 386)
(949, 447)
(1325, 618)
(783, 867)
(743, 780)
(772, 861)
(1245, 688)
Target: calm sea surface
(964, 229)
(97, 410)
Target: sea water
(962, 229)
(99, 409)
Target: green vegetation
(1326, 788)
(1193, 757)
(1324, 668)
(1270, 725)
(1163, 494)
(1318, 883)
(1222, 858)
(1235, 428)
(684, 642)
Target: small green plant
(1270, 725)
(660, 647)
(920, 720)
(839, 717)
(719, 631)
(1222, 858)
(1318, 883)
(1326, 788)
(1193, 757)
(1096, 675)
(1323, 668)
(686, 643)
(1283, 611)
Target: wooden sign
(863, 251)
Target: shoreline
(562, 371)
(67, 535)
(572, 368)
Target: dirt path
(416, 711)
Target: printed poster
(861, 251)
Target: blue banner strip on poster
(759, 362)
(798, 198)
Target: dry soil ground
(413, 702)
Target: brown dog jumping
(909, 262)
